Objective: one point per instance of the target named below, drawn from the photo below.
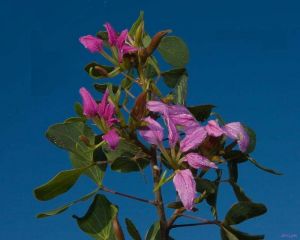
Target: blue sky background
(245, 58)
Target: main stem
(156, 172)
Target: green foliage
(136, 24)
(101, 87)
(264, 168)
(239, 193)
(230, 233)
(174, 51)
(59, 184)
(67, 206)
(173, 77)
(201, 112)
(242, 211)
(128, 157)
(132, 230)
(153, 232)
(98, 220)
(180, 90)
(67, 136)
(98, 71)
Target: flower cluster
(178, 119)
(120, 43)
(103, 115)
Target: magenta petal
(236, 131)
(213, 129)
(193, 139)
(186, 187)
(103, 103)
(124, 50)
(89, 103)
(157, 106)
(93, 44)
(153, 133)
(172, 131)
(112, 35)
(196, 161)
(112, 138)
(121, 39)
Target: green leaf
(242, 211)
(230, 233)
(66, 206)
(78, 110)
(264, 168)
(150, 70)
(127, 157)
(227, 235)
(201, 112)
(239, 193)
(97, 222)
(163, 180)
(103, 86)
(153, 232)
(98, 71)
(174, 51)
(59, 184)
(233, 170)
(252, 139)
(66, 135)
(84, 159)
(173, 77)
(136, 24)
(180, 90)
(129, 165)
(205, 185)
(132, 230)
(236, 156)
(74, 119)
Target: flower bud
(147, 52)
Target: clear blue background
(245, 58)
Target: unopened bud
(100, 71)
(147, 52)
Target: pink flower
(236, 131)
(89, 103)
(93, 44)
(186, 187)
(112, 35)
(196, 161)
(153, 133)
(163, 109)
(193, 139)
(213, 129)
(119, 41)
(106, 110)
(112, 138)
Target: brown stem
(194, 224)
(105, 189)
(158, 197)
(177, 213)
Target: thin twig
(177, 213)
(193, 224)
(158, 196)
(105, 189)
(201, 220)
